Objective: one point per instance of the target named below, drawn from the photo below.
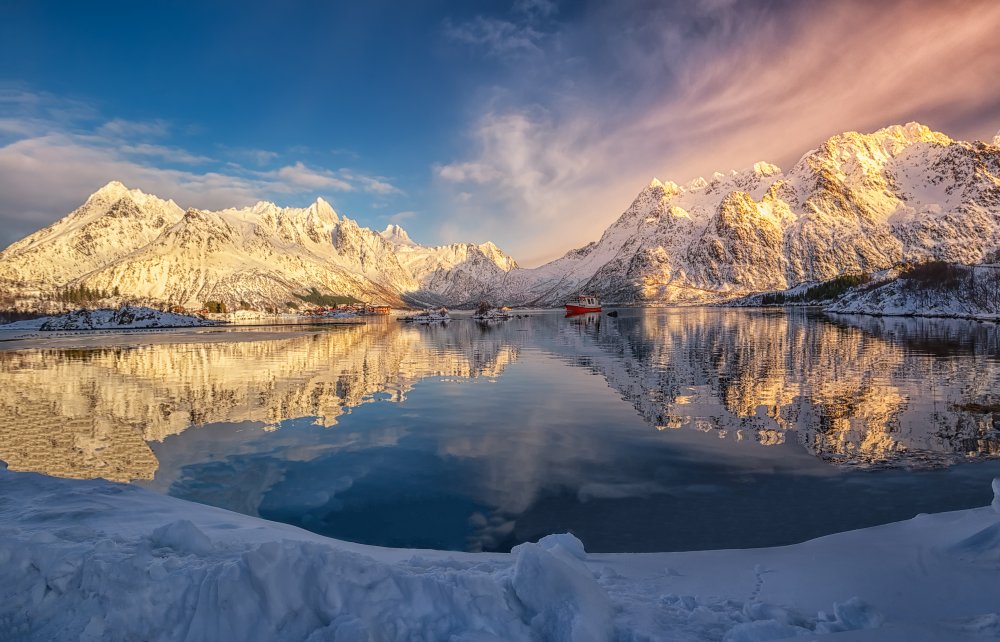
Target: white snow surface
(125, 317)
(96, 560)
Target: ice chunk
(564, 542)
(996, 494)
(183, 537)
(561, 597)
(762, 631)
(853, 615)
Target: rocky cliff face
(858, 203)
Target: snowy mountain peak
(763, 168)
(113, 189)
(662, 189)
(497, 256)
(323, 212)
(881, 144)
(857, 203)
(396, 235)
(860, 202)
(263, 207)
(996, 139)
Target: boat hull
(580, 309)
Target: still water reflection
(656, 430)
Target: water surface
(658, 430)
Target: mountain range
(133, 245)
(857, 203)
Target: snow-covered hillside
(858, 203)
(94, 560)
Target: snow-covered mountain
(456, 274)
(858, 203)
(111, 224)
(140, 247)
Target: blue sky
(528, 122)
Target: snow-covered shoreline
(934, 290)
(95, 560)
(126, 317)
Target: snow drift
(95, 560)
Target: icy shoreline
(95, 560)
(126, 317)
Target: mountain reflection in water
(510, 434)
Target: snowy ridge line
(95, 560)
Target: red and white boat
(584, 303)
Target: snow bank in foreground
(94, 560)
(107, 319)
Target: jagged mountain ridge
(460, 273)
(262, 256)
(858, 203)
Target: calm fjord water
(668, 429)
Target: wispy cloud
(535, 9)
(251, 155)
(298, 175)
(496, 36)
(131, 129)
(522, 31)
(172, 154)
(469, 172)
(378, 185)
(401, 217)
